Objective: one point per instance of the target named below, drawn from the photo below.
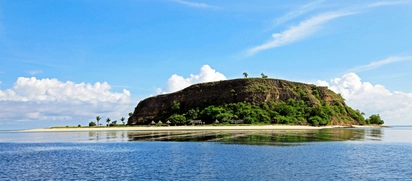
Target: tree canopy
(245, 74)
(375, 119)
(264, 76)
(295, 112)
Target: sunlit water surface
(328, 154)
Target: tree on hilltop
(264, 76)
(245, 74)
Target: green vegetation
(176, 106)
(91, 124)
(122, 119)
(178, 119)
(108, 121)
(264, 76)
(98, 119)
(374, 119)
(113, 123)
(245, 74)
(294, 112)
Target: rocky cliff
(247, 90)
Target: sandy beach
(184, 128)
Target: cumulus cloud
(393, 106)
(193, 4)
(295, 33)
(32, 99)
(177, 82)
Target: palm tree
(130, 114)
(122, 119)
(98, 119)
(245, 74)
(108, 121)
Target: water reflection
(111, 136)
(254, 137)
(260, 137)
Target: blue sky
(64, 62)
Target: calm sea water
(329, 154)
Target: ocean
(327, 154)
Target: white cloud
(177, 82)
(193, 4)
(34, 100)
(298, 12)
(34, 72)
(312, 25)
(393, 106)
(321, 83)
(388, 3)
(295, 33)
(379, 63)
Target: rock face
(251, 90)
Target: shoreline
(195, 128)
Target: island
(254, 101)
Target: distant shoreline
(195, 128)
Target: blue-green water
(335, 154)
